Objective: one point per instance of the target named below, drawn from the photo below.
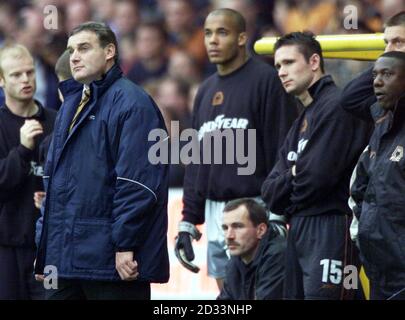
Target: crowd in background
(161, 42)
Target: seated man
(256, 267)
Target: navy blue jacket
(103, 193)
(378, 191)
(324, 144)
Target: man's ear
(315, 62)
(110, 51)
(261, 230)
(242, 39)
(1, 82)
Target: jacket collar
(102, 85)
(396, 116)
(71, 86)
(316, 89)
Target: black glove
(183, 248)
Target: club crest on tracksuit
(398, 154)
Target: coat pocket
(92, 245)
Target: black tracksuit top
(324, 144)
(251, 97)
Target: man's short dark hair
(62, 66)
(257, 213)
(306, 42)
(104, 34)
(399, 55)
(238, 19)
(396, 20)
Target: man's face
(18, 79)
(241, 236)
(294, 71)
(389, 81)
(221, 40)
(394, 37)
(88, 60)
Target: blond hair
(13, 50)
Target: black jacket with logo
(20, 176)
(379, 193)
(324, 144)
(251, 97)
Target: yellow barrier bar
(347, 46)
(353, 55)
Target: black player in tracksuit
(379, 186)
(245, 102)
(252, 98)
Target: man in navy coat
(104, 222)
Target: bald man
(243, 94)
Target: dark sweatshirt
(251, 97)
(324, 144)
(20, 176)
(263, 277)
(358, 96)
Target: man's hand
(126, 266)
(39, 196)
(28, 132)
(183, 248)
(38, 277)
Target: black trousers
(99, 290)
(17, 280)
(318, 249)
